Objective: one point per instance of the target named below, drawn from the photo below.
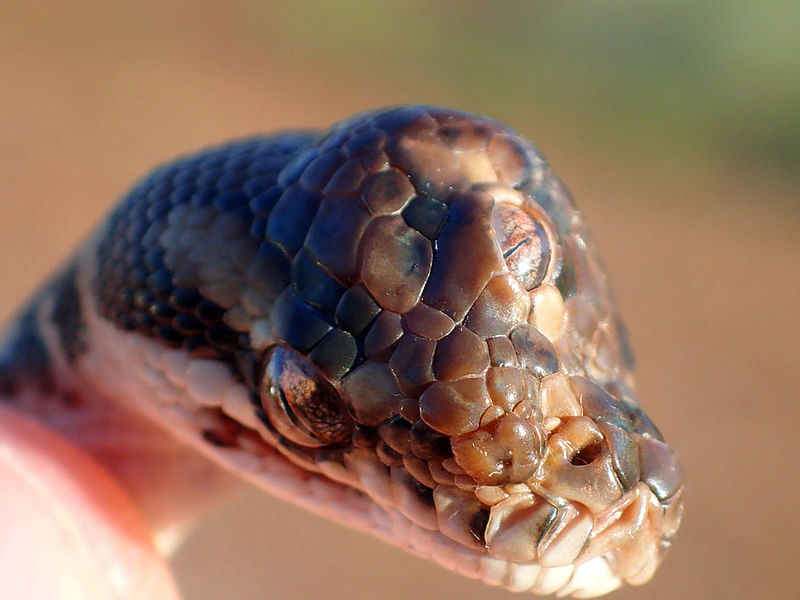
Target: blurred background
(676, 126)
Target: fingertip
(69, 530)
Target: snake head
(418, 319)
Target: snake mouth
(577, 536)
(518, 535)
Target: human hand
(68, 530)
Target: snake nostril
(587, 455)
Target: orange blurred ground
(703, 259)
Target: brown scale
(412, 363)
(501, 305)
(460, 354)
(387, 192)
(510, 386)
(371, 393)
(453, 408)
(383, 335)
(329, 240)
(427, 322)
(506, 450)
(456, 283)
(396, 261)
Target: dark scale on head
(24, 358)
(134, 286)
(66, 314)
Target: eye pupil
(515, 247)
(299, 401)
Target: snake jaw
(403, 324)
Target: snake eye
(523, 242)
(299, 402)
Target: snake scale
(401, 323)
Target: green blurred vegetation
(705, 77)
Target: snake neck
(41, 377)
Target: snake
(401, 323)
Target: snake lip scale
(401, 323)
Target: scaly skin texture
(407, 312)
